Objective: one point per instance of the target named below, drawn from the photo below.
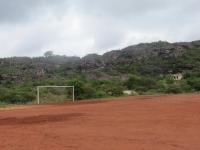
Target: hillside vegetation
(144, 68)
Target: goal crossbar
(38, 91)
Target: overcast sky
(79, 27)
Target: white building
(177, 76)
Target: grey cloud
(32, 44)
(21, 10)
(85, 26)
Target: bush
(194, 82)
(88, 92)
(82, 89)
(173, 89)
(78, 91)
(140, 83)
(3, 104)
(100, 94)
(115, 91)
(17, 97)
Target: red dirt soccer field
(165, 122)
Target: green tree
(48, 54)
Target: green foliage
(194, 82)
(174, 88)
(79, 88)
(140, 83)
(15, 96)
(3, 104)
(48, 54)
(100, 94)
(165, 84)
(86, 88)
(115, 91)
(19, 97)
(102, 77)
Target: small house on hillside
(177, 76)
(130, 92)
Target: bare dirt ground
(165, 122)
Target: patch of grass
(3, 104)
(51, 98)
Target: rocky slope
(155, 58)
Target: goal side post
(38, 91)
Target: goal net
(49, 94)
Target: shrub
(17, 97)
(174, 88)
(140, 83)
(194, 82)
(88, 92)
(100, 94)
(78, 91)
(115, 91)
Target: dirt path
(168, 122)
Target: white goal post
(38, 91)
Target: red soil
(168, 122)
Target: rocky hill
(155, 58)
(143, 68)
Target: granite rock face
(145, 58)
